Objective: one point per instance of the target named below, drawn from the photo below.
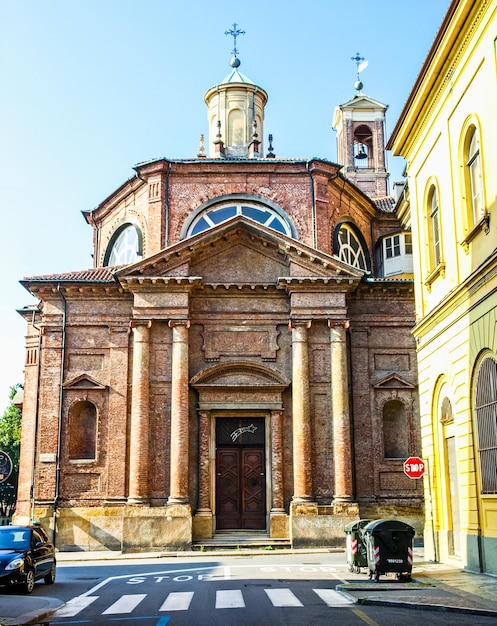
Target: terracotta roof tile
(99, 274)
(385, 204)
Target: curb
(36, 614)
(426, 606)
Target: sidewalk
(434, 585)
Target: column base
(203, 525)
(137, 500)
(177, 500)
(279, 524)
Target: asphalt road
(247, 590)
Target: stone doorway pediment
(239, 385)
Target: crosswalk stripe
(75, 606)
(283, 597)
(229, 599)
(332, 597)
(177, 601)
(125, 604)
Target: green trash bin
(356, 548)
(389, 548)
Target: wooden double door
(240, 488)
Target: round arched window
(219, 213)
(125, 246)
(350, 249)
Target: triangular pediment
(394, 381)
(83, 381)
(238, 251)
(361, 101)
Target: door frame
(246, 413)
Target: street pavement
(434, 585)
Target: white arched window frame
(219, 213)
(350, 249)
(125, 246)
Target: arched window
(125, 246)
(474, 191)
(434, 228)
(83, 431)
(349, 247)
(395, 431)
(486, 420)
(218, 213)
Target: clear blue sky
(92, 87)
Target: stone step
(241, 541)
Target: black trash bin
(355, 546)
(389, 548)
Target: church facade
(238, 359)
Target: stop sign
(414, 467)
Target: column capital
(292, 324)
(339, 324)
(175, 323)
(135, 323)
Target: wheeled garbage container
(389, 548)
(355, 547)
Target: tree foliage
(10, 442)
(10, 429)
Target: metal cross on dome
(358, 60)
(234, 32)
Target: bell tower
(360, 127)
(235, 110)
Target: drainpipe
(37, 409)
(59, 430)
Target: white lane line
(332, 597)
(75, 606)
(229, 599)
(283, 597)
(177, 601)
(125, 604)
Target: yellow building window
(474, 181)
(434, 226)
(486, 420)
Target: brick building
(238, 358)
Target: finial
(254, 129)
(361, 64)
(234, 32)
(270, 154)
(201, 150)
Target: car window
(14, 539)
(36, 537)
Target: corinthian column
(179, 414)
(342, 445)
(302, 465)
(139, 431)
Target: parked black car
(26, 555)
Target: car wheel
(29, 582)
(50, 577)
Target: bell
(362, 153)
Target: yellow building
(447, 133)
